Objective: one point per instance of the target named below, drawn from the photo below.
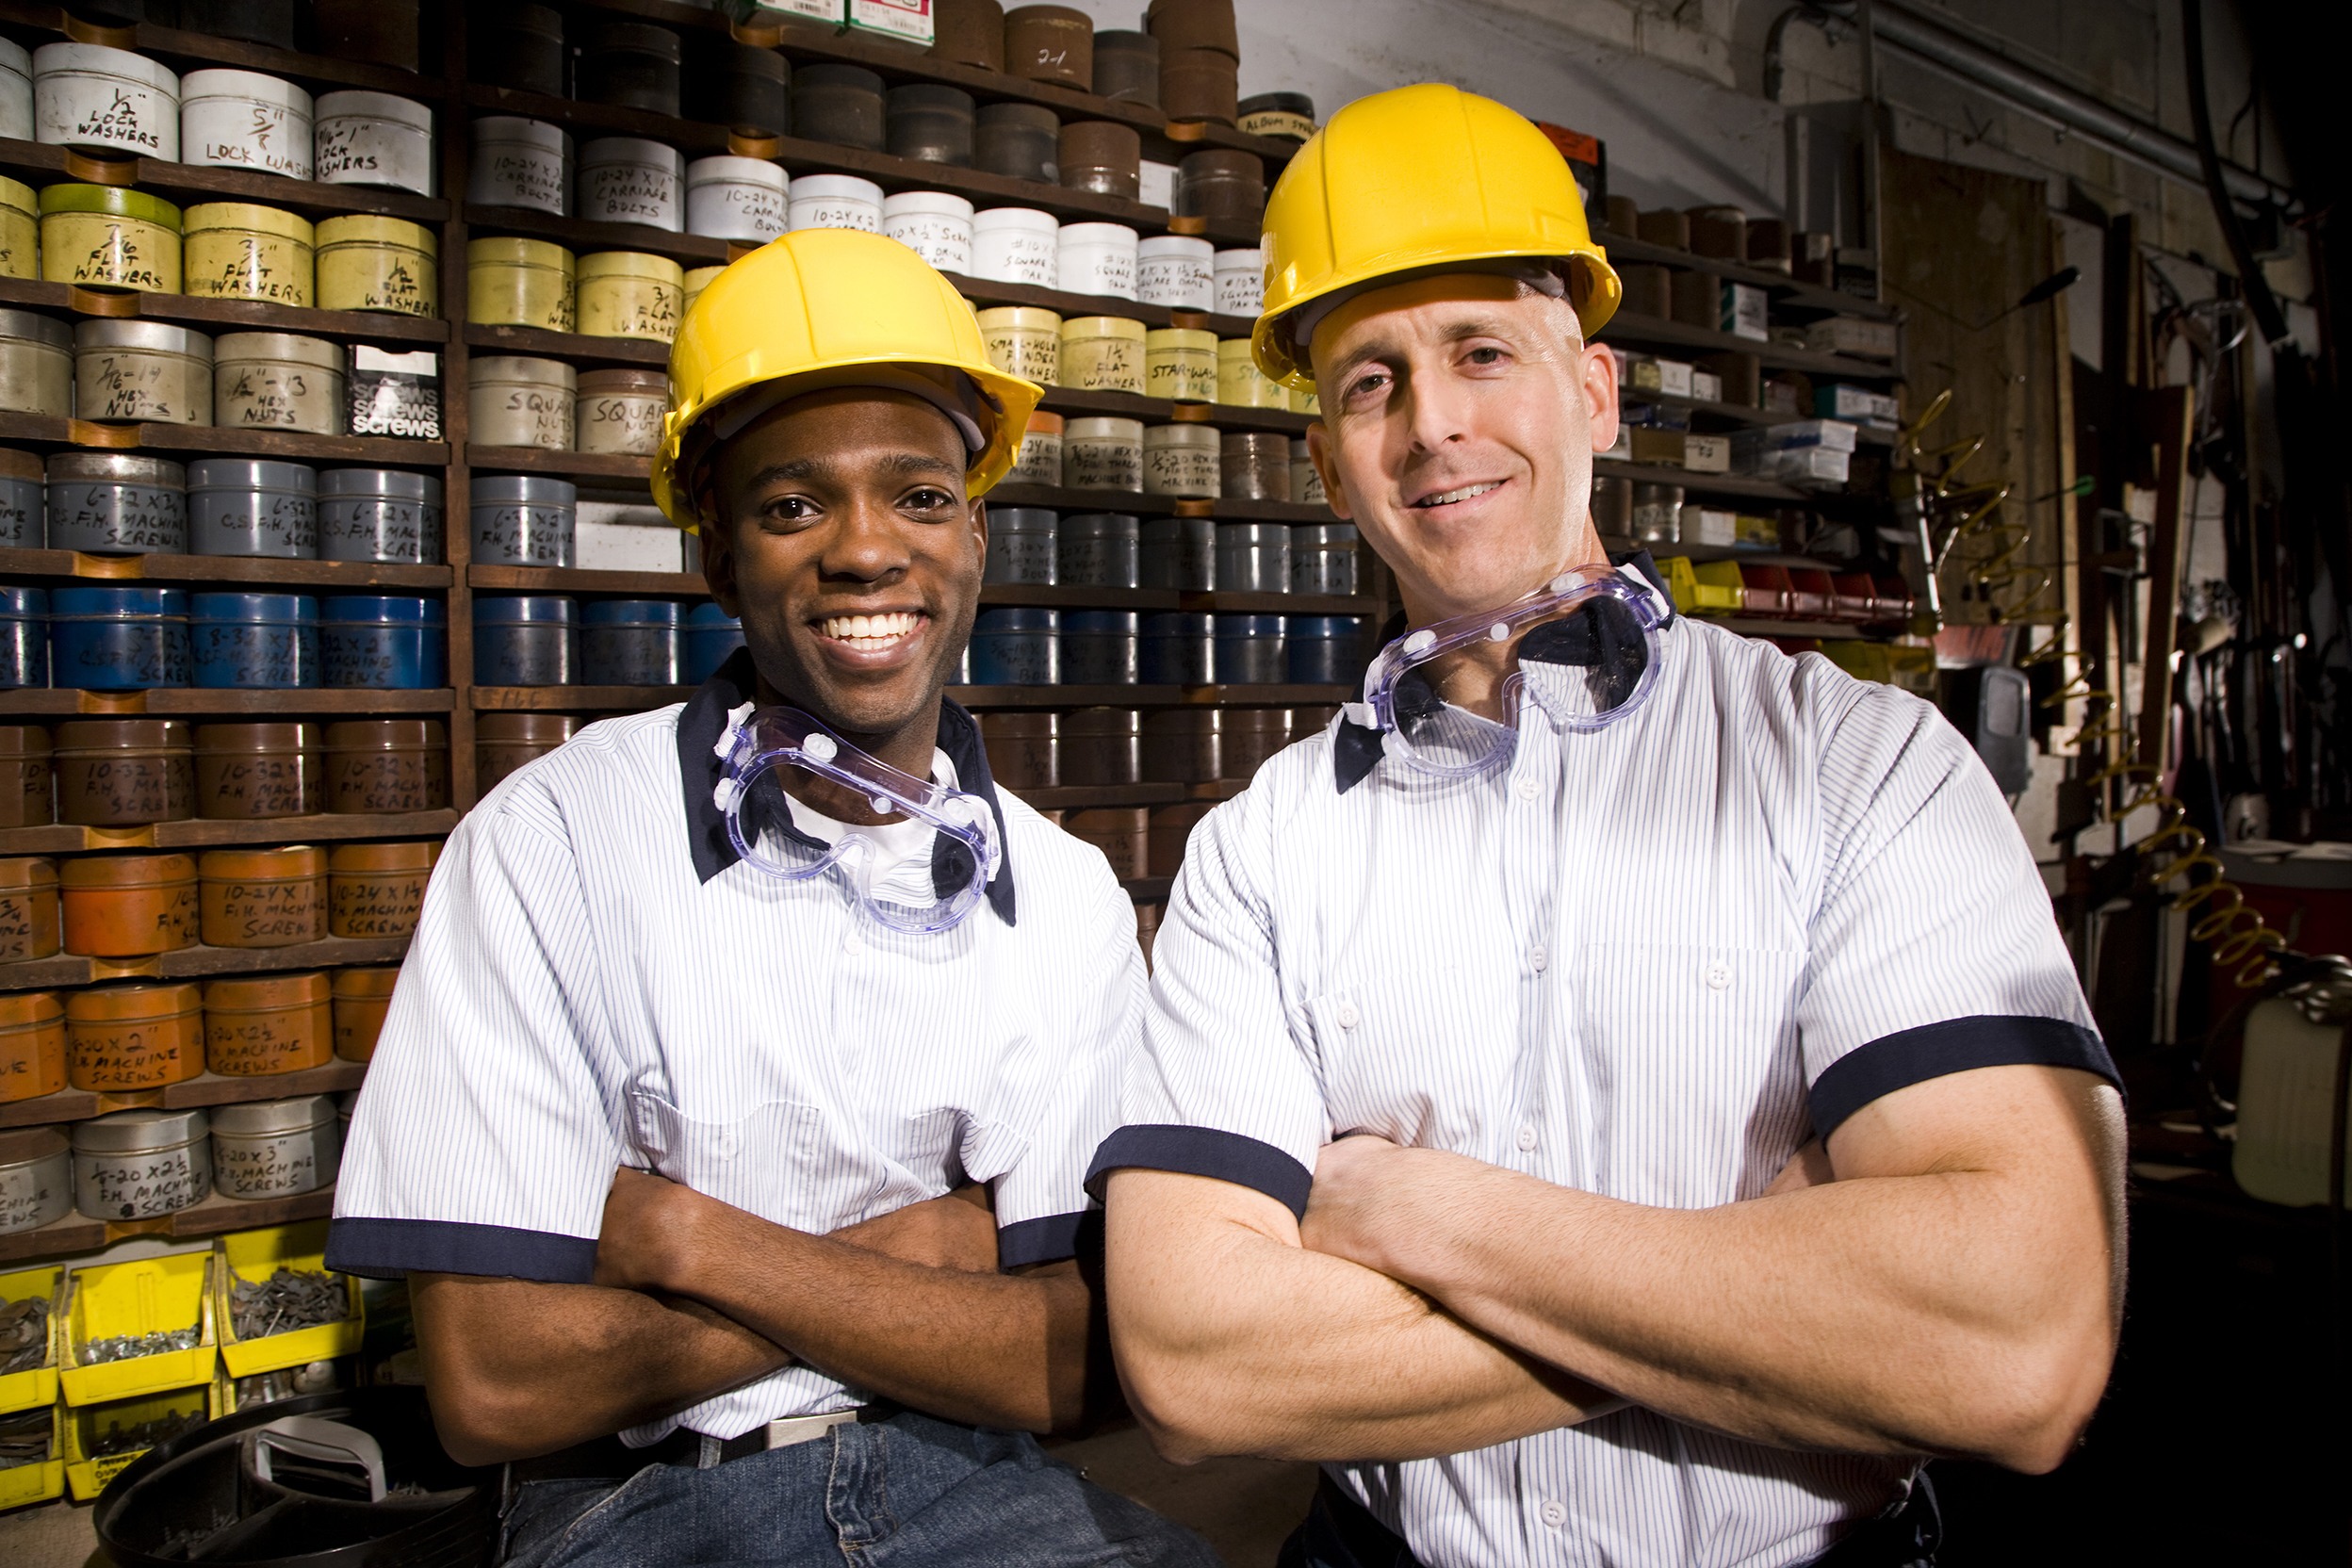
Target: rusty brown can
(380, 765)
(250, 772)
(119, 773)
(1024, 749)
(1171, 827)
(262, 897)
(272, 1023)
(1121, 833)
(32, 1045)
(124, 1038)
(504, 742)
(362, 997)
(28, 909)
(378, 889)
(27, 788)
(128, 905)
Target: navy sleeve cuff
(1911, 1056)
(390, 1249)
(1203, 1152)
(1049, 1238)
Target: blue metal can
(379, 514)
(1015, 648)
(525, 640)
(1252, 650)
(24, 502)
(1179, 649)
(1100, 549)
(23, 637)
(1326, 650)
(392, 644)
(631, 643)
(524, 520)
(254, 641)
(1100, 647)
(711, 638)
(118, 639)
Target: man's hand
(955, 1232)
(1359, 1182)
(647, 1230)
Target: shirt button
(1555, 1513)
(1526, 1136)
(1348, 1017)
(1718, 976)
(851, 946)
(730, 1146)
(1541, 957)
(1527, 787)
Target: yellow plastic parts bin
(37, 1483)
(151, 1296)
(258, 1254)
(1912, 669)
(87, 1428)
(1705, 587)
(39, 1385)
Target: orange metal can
(32, 1045)
(28, 909)
(263, 897)
(378, 889)
(128, 905)
(276, 1024)
(362, 997)
(120, 1039)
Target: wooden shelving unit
(195, 833)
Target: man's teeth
(869, 629)
(1465, 492)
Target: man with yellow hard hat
(1618, 1096)
(729, 1102)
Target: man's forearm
(596, 1360)
(1233, 1340)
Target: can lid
(24, 740)
(1324, 625)
(1233, 349)
(1102, 721)
(247, 216)
(518, 130)
(1077, 327)
(668, 613)
(17, 194)
(31, 1145)
(259, 1118)
(1042, 423)
(1179, 623)
(375, 105)
(1252, 536)
(836, 188)
(1020, 319)
(698, 278)
(1322, 535)
(98, 58)
(1240, 259)
(1118, 235)
(26, 1009)
(125, 603)
(1029, 117)
(120, 1003)
(288, 863)
(126, 871)
(488, 369)
(632, 264)
(1169, 531)
(247, 608)
(606, 383)
(990, 219)
(374, 980)
(252, 473)
(1023, 519)
(292, 348)
(1248, 626)
(635, 38)
(1017, 619)
(371, 484)
(1106, 430)
(531, 729)
(349, 609)
(512, 250)
(930, 98)
(494, 609)
(365, 228)
(36, 327)
(1186, 340)
(111, 200)
(158, 338)
(386, 734)
(727, 168)
(265, 736)
(906, 204)
(523, 489)
(1164, 436)
(709, 617)
(607, 151)
(1100, 525)
(1160, 246)
(1278, 103)
(827, 74)
(123, 735)
(22, 603)
(267, 992)
(138, 1132)
(1100, 623)
(29, 871)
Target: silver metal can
(142, 1165)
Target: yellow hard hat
(1408, 181)
(830, 307)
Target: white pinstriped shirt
(597, 980)
(1647, 963)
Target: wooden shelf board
(38, 163)
(1128, 405)
(227, 315)
(578, 234)
(1743, 485)
(1065, 499)
(577, 699)
(1630, 327)
(60, 1238)
(219, 568)
(219, 1089)
(1075, 797)
(538, 459)
(1215, 789)
(1785, 291)
(1268, 696)
(214, 832)
(191, 701)
(195, 963)
(634, 352)
(1284, 604)
(573, 579)
(1147, 889)
(983, 293)
(47, 430)
(1070, 595)
(1147, 697)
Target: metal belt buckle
(793, 1430)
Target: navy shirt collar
(700, 768)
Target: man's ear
(1319, 453)
(1600, 396)
(980, 530)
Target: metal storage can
(836, 201)
(630, 294)
(620, 411)
(253, 642)
(379, 514)
(1102, 353)
(1050, 44)
(124, 772)
(839, 104)
(1100, 549)
(35, 1179)
(262, 897)
(362, 997)
(1306, 484)
(525, 640)
(524, 520)
(1324, 650)
(244, 120)
(1253, 558)
(132, 1038)
(382, 641)
(1016, 244)
(736, 198)
(1096, 259)
(1181, 459)
(118, 639)
(24, 501)
(276, 1147)
(143, 370)
(239, 250)
(104, 100)
(1171, 830)
(370, 263)
(252, 772)
(27, 788)
(36, 364)
(30, 928)
(1180, 553)
(142, 1165)
(1101, 155)
(380, 765)
(374, 138)
(631, 643)
(516, 401)
(32, 1053)
(516, 163)
(712, 636)
(115, 504)
(1288, 116)
(698, 279)
(1176, 270)
(378, 890)
(104, 237)
(1039, 460)
(1252, 650)
(1102, 454)
(627, 179)
(128, 905)
(1179, 649)
(278, 1023)
(1024, 341)
(631, 65)
(23, 651)
(519, 283)
(1180, 363)
(20, 226)
(1021, 546)
(1239, 279)
(1101, 745)
(930, 124)
(1098, 647)
(279, 381)
(1323, 558)
(746, 88)
(933, 225)
(1015, 648)
(1021, 141)
(505, 742)
(1253, 466)
(1022, 749)
(16, 90)
(1221, 185)
(1240, 381)
(521, 45)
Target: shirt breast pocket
(1692, 1075)
(1424, 1060)
(778, 1161)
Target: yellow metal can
(698, 279)
(1305, 399)
(630, 294)
(238, 251)
(104, 237)
(519, 283)
(1181, 363)
(1102, 353)
(1240, 381)
(370, 263)
(20, 230)
(1024, 341)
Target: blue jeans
(907, 1493)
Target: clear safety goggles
(918, 893)
(1445, 699)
